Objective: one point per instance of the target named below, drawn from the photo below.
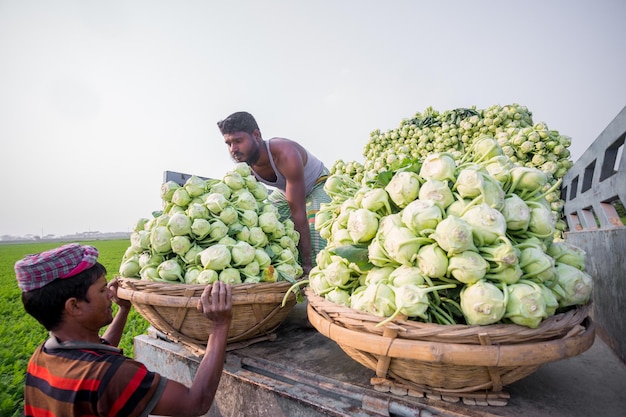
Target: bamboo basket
(450, 361)
(172, 310)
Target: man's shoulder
(280, 146)
(280, 141)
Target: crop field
(20, 334)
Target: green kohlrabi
(179, 224)
(257, 238)
(170, 270)
(567, 253)
(234, 180)
(243, 199)
(195, 186)
(167, 190)
(376, 200)
(207, 276)
(220, 187)
(526, 305)
(228, 215)
(362, 225)
(536, 264)
(483, 303)
(467, 267)
(150, 258)
(542, 223)
(180, 245)
(573, 286)
(216, 257)
(338, 274)
(412, 301)
(269, 222)
(422, 216)
(216, 202)
(488, 224)
(242, 253)
(404, 275)
(437, 191)
(438, 166)
(402, 245)
(140, 240)
(338, 296)
(252, 269)
(130, 267)
(432, 260)
(197, 211)
(454, 235)
(160, 239)
(218, 230)
(526, 181)
(262, 258)
(181, 197)
(500, 254)
(378, 274)
(377, 254)
(230, 276)
(377, 299)
(318, 282)
(200, 228)
(191, 256)
(507, 275)
(403, 188)
(191, 274)
(516, 212)
(149, 273)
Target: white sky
(98, 98)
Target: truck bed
(303, 373)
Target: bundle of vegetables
(524, 142)
(466, 240)
(214, 229)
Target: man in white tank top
(296, 175)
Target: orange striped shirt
(88, 379)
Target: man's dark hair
(46, 304)
(240, 121)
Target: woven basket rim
(552, 327)
(392, 345)
(177, 294)
(165, 287)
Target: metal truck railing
(594, 190)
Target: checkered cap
(35, 271)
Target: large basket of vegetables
(258, 310)
(445, 266)
(207, 230)
(450, 360)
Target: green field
(20, 334)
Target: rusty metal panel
(596, 180)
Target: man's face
(243, 147)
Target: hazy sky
(99, 98)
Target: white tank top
(312, 171)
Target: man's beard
(254, 156)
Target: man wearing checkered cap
(77, 371)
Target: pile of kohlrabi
(451, 239)
(212, 230)
(523, 141)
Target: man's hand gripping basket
(450, 362)
(172, 310)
